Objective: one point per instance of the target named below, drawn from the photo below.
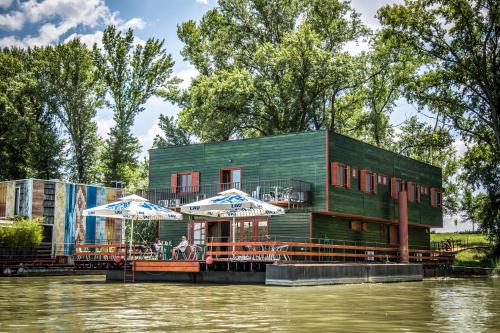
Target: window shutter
(419, 188)
(362, 180)
(334, 169)
(394, 192)
(173, 182)
(364, 226)
(195, 181)
(411, 193)
(374, 182)
(348, 176)
(433, 197)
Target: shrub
(23, 233)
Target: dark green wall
(300, 156)
(364, 156)
(290, 227)
(174, 230)
(339, 229)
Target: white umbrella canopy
(231, 203)
(133, 207)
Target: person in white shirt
(182, 246)
(159, 248)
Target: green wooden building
(333, 188)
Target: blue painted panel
(100, 223)
(69, 219)
(90, 222)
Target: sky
(42, 22)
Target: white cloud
(70, 14)
(187, 75)
(12, 21)
(5, 3)
(103, 126)
(203, 2)
(460, 147)
(135, 23)
(146, 140)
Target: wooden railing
(298, 251)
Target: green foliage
(457, 42)
(75, 94)
(433, 145)
(30, 143)
(471, 238)
(131, 75)
(173, 134)
(271, 67)
(145, 232)
(23, 233)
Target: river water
(88, 303)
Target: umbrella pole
(131, 235)
(234, 232)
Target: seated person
(182, 246)
(158, 247)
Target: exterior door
(230, 178)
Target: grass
(465, 238)
(474, 258)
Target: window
(385, 180)
(397, 185)
(358, 226)
(340, 175)
(413, 192)
(185, 182)
(251, 230)
(436, 198)
(368, 182)
(230, 178)
(198, 233)
(354, 172)
(379, 179)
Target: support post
(404, 255)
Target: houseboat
(333, 187)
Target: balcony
(287, 193)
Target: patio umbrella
(133, 207)
(232, 203)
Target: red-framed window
(397, 185)
(251, 229)
(197, 232)
(185, 182)
(436, 197)
(354, 172)
(340, 174)
(368, 181)
(230, 178)
(358, 226)
(413, 192)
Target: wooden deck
(166, 266)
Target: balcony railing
(284, 192)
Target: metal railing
(285, 192)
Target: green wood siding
(174, 230)
(339, 229)
(299, 156)
(290, 227)
(364, 156)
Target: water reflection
(89, 304)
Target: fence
(285, 192)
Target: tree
(459, 79)
(173, 133)
(271, 67)
(30, 144)
(131, 74)
(433, 145)
(75, 95)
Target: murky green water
(89, 304)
